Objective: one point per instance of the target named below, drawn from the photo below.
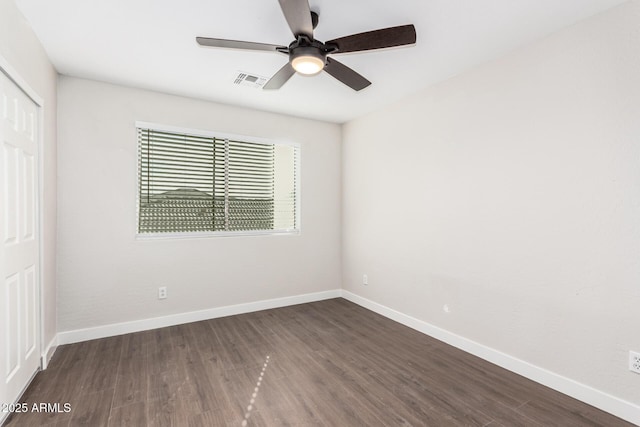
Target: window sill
(253, 233)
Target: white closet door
(19, 296)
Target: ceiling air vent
(250, 80)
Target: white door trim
(7, 69)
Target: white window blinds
(200, 184)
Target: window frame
(220, 135)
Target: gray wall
(511, 194)
(107, 276)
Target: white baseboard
(48, 352)
(618, 407)
(69, 337)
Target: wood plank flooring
(330, 363)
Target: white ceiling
(151, 44)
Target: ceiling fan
(310, 56)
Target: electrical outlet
(634, 362)
(162, 292)
(365, 279)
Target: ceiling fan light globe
(308, 64)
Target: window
(203, 184)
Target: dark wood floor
(330, 363)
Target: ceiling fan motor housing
(312, 53)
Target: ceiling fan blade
(346, 75)
(377, 39)
(298, 16)
(280, 78)
(236, 44)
